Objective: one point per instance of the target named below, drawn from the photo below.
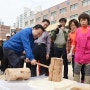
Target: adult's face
(83, 22)
(45, 24)
(13, 33)
(73, 26)
(1, 42)
(8, 37)
(37, 33)
(62, 23)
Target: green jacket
(54, 35)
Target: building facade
(7, 30)
(26, 19)
(1, 22)
(4, 30)
(69, 9)
(30, 20)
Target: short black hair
(63, 19)
(84, 16)
(46, 20)
(39, 26)
(75, 22)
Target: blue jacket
(22, 40)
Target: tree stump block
(55, 70)
(83, 87)
(17, 74)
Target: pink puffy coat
(82, 54)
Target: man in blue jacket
(23, 40)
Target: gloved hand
(69, 56)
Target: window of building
(31, 13)
(63, 10)
(85, 2)
(38, 19)
(53, 22)
(20, 24)
(88, 2)
(32, 21)
(25, 15)
(88, 12)
(26, 23)
(45, 16)
(21, 17)
(74, 6)
(74, 16)
(21, 21)
(53, 13)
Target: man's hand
(23, 52)
(33, 62)
(47, 57)
(27, 60)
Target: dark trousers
(22, 58)
(47, 63)
(50, 56)
(86, 70)
(4, 64)
(39, 54)
(58, 52)
(82, 69)
(82, 73)
(12, 58)
(73, 63)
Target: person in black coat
(1, 50)
(51, 55)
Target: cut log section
(55, 70)
(84, 87)
(17, 74)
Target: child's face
(83, 22)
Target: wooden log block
(84, 87)
(50, 75)
(55, 71)
(17, 74)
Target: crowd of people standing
(35, 44)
